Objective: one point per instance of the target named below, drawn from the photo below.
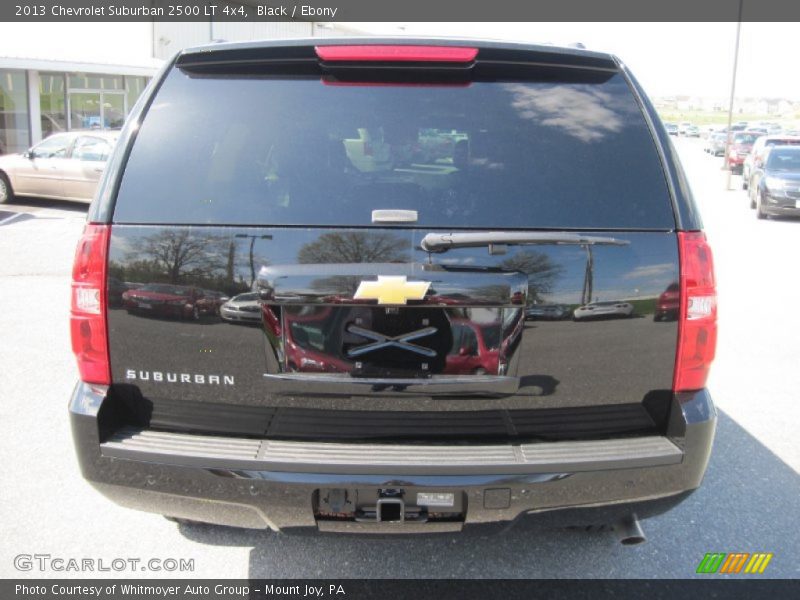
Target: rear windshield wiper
(498, 240)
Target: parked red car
(476, 348)
(741, 144)
(303, 333)
(211, 301)
(668, 303)
(166, 300)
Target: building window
(52, 103)
(134, 86)
(83, 81)
(14, 133)
(101, 101)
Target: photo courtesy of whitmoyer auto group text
(355, 299)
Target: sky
(694, 59)
(114, 43)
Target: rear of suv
(395, 207)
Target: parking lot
(748, 503)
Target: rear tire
(760, 214)
(6, 193)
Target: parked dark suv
(776, 183)
(298, 172)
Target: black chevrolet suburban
(374, 217)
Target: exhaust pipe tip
(629, 532)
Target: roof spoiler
(396, 51)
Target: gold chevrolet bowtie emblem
(392, 290)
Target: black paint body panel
(617, 360)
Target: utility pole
(253, 239)
(733, 92)
(588, 276)
(229, 267)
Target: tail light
(697, 328)
(88, 310)
(389, 53)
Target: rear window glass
(240, 149)
(246, 297)
(784, 160)
(744, 138)
(782, 142)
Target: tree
(355, 247)
(175, 253)
(542, 272)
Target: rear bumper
(245, 317)
(272, 484)
(736, 164)
(780, 205)
(166, 311)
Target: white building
(65, 76)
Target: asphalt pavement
(748, 502)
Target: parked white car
(595, 310)
(242, 308)
(64, 166)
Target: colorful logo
(392, 290)
(736, 562)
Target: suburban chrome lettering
(166, 377)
